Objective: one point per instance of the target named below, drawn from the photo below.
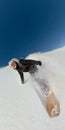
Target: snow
(21, 106)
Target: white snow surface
(22, 106)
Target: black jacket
(26, 65)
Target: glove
(39, 63)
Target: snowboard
(52, 104)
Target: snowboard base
(52, 105)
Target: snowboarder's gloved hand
(39, 63)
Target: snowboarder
(24, 65)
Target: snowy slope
(21, 108)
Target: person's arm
(21, 76)
(34, 62)
(30, 62)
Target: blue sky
(28, 26)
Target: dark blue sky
(28, 26)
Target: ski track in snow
(22, 106)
